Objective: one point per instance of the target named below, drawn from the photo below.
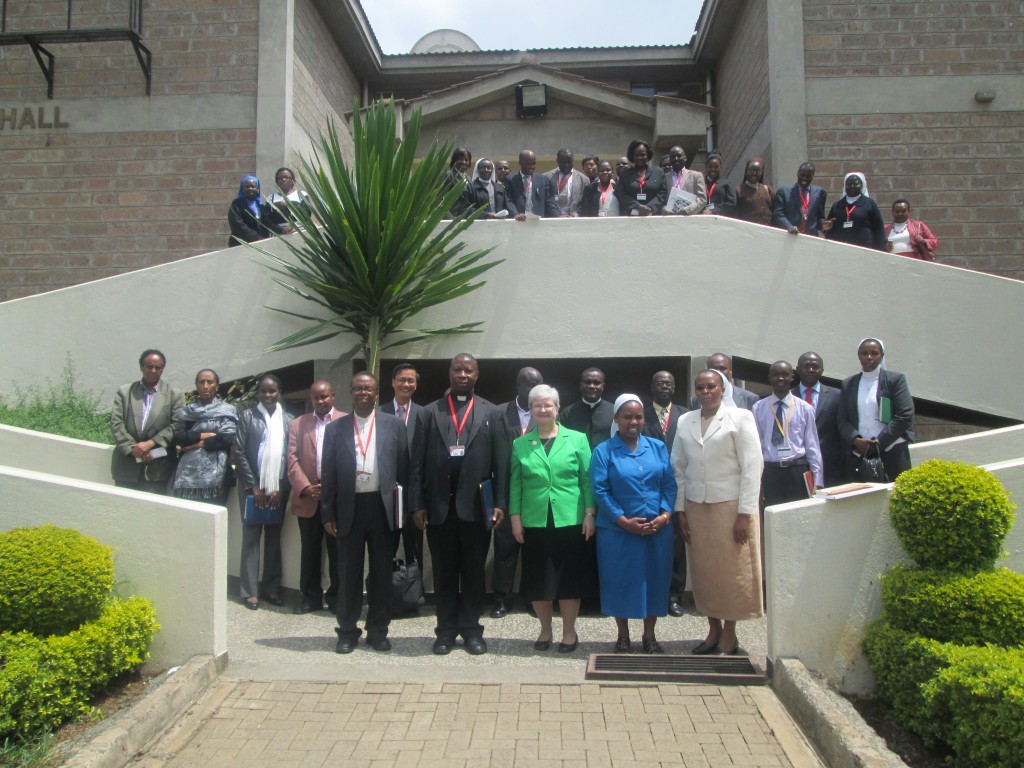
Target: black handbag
(871, 470)
(406, 588)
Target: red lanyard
(712, 190)
(459, 425)
(369, 435)
(641, 180)
(849, 210)
(679, 180)
(604, 195)
(563, 180)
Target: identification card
(456, 451)
(362, 477)
(847, 225)
(642, 197)
(784, 452)
(710, 207)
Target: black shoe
(443, 646)
(500, 609)
(274, 600)
(704, 649)
(675, 608)
(252, 606)
(475, 646)
(622, 645)
(305, 607)
(345, 646)
(651, 645)
(380, 644)
(567, 647)
(542, 645)
(723, 652)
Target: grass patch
(60, 408)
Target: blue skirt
(635, 572)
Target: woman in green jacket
(552, 509)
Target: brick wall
(741, 79)
(844, 39)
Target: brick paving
(354, 724)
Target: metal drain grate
(710, 670)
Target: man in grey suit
(365, 466)
(142, 423)
(569, 184)
(531, 193)
(404, 381)
(825, 400)
(722, 363)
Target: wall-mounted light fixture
(531, 100)
(984, 97)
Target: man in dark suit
(516, 420)
(722, 363)
(459, 444)
(569, 184)
(404, 380)
(592, 415)
(530, 193)
(800, 209)
(661, 416)
(365, 462)
(825, 400)
(142, 421)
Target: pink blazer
(924, 252)
(302, 461)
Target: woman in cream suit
(551, 506)
(717, 461)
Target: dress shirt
(364, 438)
(148, 396)
(815, 392)
(398, 411)
(528, 193)
(563, 183)
(525, 417)
(663, 412)
(868, 424)
(321, 426)
(798, 429)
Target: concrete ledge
(123, 735)
(834, 727)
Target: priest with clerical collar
(592, 415)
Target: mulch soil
(906, 744)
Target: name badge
(710, 207)
(642, 197)
(362, 477)
(456, 451)
(784, 452)
(847, 225)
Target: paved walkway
(288, 700)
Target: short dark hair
(269, 377)
(899, 200)
(634, 144)
(404, 367)
(148, 352)
(216, 376)
(283, 168)
(595, 158)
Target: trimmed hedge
(970, 699)
(951, 516)
(52, 580)
(46, 681)
(987, 607)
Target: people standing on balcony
(641, 188)
(285, 219)
(599, 196)
(502, 170)
(489, 194)
(569, 184)
(721, 195)
(532, 195)
(204, 434)
(716, 457)
(800, 208)
(855, 218)
(249, 217)
(456, 176)
(908, 237)
(876, 414)
(753, 196)
(620, 165)
(687, 192)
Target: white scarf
(271, 450)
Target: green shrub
(46, 681)
(987, 607)
(60, 409)
(52, 579)
(951, 516)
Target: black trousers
(506, 557)
(369, 533)
(678, 585)
(311, 537)
(782, 484)
(411, 539)
(458, 553)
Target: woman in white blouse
(717, 461)
(908, 237)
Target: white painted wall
(824, 560)
(170, 551)
(603, 287)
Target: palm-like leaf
(382, 253)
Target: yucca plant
(381, 254)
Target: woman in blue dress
(635, 491)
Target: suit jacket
(302, 460)
(721, 198)
(543, 193)
(826, 415)
(595, 423)
(510, 421)
(127, 430)
(476, 192)
(787, 208)
(247, 227)
(251, 428)
(338, 465)
(723, 464)
(924, 252)
(652, 425)
(890, 384)
(579, 183)
(410, 421)
(693, 182)
(486, 458)
(560, 479)
(628, 187)
(743, 398)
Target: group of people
(602, 498)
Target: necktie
(809, 395)
(780, 414)
(401, 412)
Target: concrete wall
(825, 558)
(169, 551)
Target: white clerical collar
(593, 404)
